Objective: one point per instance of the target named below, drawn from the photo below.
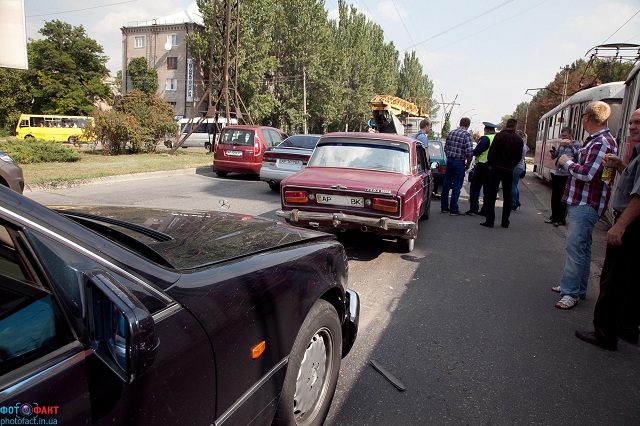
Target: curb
(110, 179)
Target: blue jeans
(453, 178)
(515, 193)
(575, 278)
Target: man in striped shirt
(586, 195)
(459, 151)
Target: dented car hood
(194, 239)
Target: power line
(80, 10)
(402, 20)
(493, 26)
(460, 24)
(614, 33)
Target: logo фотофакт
(27, 413)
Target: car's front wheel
(314, 364)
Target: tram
(568, 113)
(630, 103)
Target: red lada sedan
(375, 182)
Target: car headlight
(6, 157)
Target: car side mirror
(435, 165)
(121, 329)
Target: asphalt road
(466, 321)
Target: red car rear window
(239, 137)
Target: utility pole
(446, 114)
(304, 98)
(224, 98)
(222, 85)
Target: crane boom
(395, 115)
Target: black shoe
(487, 224)
(550, 221)
(629, 336)
(444, 210)
(590, 337)
(505, 224)
(558, 223)
(470, 213)
(456, 213)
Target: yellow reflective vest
(482, 158)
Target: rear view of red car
(375, 182)
(240, 148)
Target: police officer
(480, 177)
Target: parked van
(203, 132)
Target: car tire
(221, 174)
(275, 186)
(315, 357)
(72, 140)
(406, 245)
(207, 145)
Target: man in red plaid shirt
(586, 195)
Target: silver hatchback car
(289, 157)
(10, 173)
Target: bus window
(59, 128)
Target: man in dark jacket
(504, 155)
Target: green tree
(581, 75)
(154, 116)
(66, 70)
(344, 62)
(446, 126)
(14, 98)
(142, 77)
(137, 124)
(415, 86)
(301, 36)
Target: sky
(482, 54)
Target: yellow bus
(61, 128)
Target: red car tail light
(215, 147)
(257, 145)
(442, 169)
(295, 196)
(269, 157)
(385, 205)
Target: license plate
(234, 153)
(287, 164)
(340, 200)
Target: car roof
(249, 127)
(371, 136)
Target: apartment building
(163, 42)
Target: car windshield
(236, 137)
(435, 149)
(389, 158)
(300, 141)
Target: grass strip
(94, 165)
